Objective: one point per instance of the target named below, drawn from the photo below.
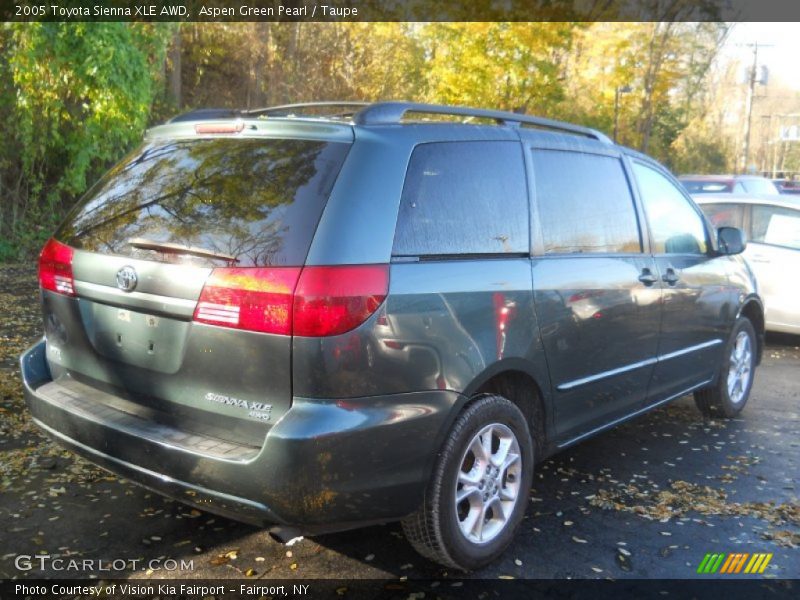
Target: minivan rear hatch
(157, 249)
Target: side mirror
(730, 240)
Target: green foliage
(82, 95)
(504, 65)
(700, 148)
(8, 251)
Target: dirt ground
(646, 500)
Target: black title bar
(444, 589)
(399, 10)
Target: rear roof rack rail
(388, 113)
(392, 113)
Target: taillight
(256, 299)
(334, 300)
(308, 301)
(55, 268)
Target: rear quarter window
(463, 198)
(255, 200)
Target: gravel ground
(646, 500)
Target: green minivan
(317, 317)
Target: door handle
(647, 277)
(670, 276)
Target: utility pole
(745, 160)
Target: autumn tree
(513, 66)
(75, 98)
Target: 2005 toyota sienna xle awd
(317, 317)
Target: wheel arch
(513, 380)
(753, 310)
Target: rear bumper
(325, 465)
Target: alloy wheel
(488, 483)
(740, 368)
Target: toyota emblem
(127, 279)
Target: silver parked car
(772, 226)
(729, 184)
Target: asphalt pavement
(645, 500)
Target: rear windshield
(247, 202)
(706, 187)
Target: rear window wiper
(179, 249)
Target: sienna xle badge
(317, 317)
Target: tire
(729, 395)
(440, 529)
